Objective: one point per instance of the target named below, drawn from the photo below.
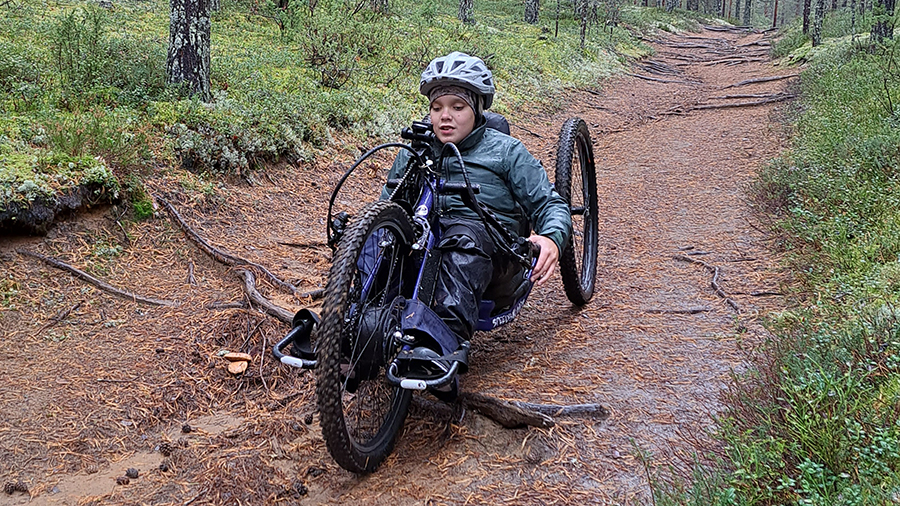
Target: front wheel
(361, 414)
(576, 182)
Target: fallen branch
(594, 410)
(96, 282)
(271, 309)
(503, 412)
(715, 280)
(760, 80)
(62, 315)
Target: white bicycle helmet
(459, 69)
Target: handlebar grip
(459, 188)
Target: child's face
(451, 118)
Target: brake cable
(492, 224)
(343, 179)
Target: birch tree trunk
(532, 8)
(188, 59)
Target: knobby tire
(576, 182)
(356, 448)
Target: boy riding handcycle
(468, 222)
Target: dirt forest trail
(91, 384)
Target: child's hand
(546, 264)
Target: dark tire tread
(336, 304)
(575, 138)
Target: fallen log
(106, 287)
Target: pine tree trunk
(806, 5)
(746, 12)
(884, 29)
(532, 8)
(465, 11)
(818, 17)
(558, 8)
(380, 6)
(188, 59)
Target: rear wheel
(361, 414)
(576, 181)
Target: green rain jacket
(513, 185)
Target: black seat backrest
(497, 122)
(494, 120)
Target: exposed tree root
(513, 414)
(736, 29)
(760, 80)
(679, 311)
(746, 95)
(231, 260)
(255, 297)
(648, 78)
(715, 280)
(659, 68)
(96, 282)
(781, 97)
(775, 98)
(520, 127)
(734, 61)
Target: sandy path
(655, 346)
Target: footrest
(420, 368)
(302, 354)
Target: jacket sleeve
(396, 171)
(548, 211)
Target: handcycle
(377, 340)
